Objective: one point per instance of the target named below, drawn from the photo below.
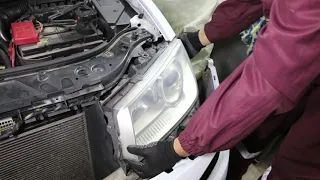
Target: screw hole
(77, 78)
(139, 25)
(110, 64)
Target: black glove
(158, 157)
(192, 43)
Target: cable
(58, 32)
(5, 59)
(66, 25)
(65, 28)
(12, 55)
(66, 21)
(126, 62)
(41, 27)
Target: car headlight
(158, 102)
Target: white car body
(155, 22)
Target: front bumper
(186, 169)
(194, 169)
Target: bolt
(42, 76)
(109, 54)
(135, 35)
(25, 94)
(140, 16)
(124, 47)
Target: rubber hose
(5, 59)
(3, 30)
(15, 12)
(5, 1)
(10, 15)
(4, 45)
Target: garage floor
(255, 171)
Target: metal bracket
(210, 78)
(214, 73)
(112, 126)
(141, 22)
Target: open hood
(152, 14)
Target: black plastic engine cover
(19, 92)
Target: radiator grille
(59, 150)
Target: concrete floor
(255, 171)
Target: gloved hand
(158, 157)
(191, 42)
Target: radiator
(60, 150)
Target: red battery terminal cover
(24, 33)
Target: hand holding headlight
(158, 157)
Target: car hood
(191, 16)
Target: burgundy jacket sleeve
(284, 64)
(232, 17)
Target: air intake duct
(10, 15)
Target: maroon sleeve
(273, 79)
(232, 17)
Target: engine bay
(64, 64)
(41, 31)
(60, 56)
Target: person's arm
(272, 80)
(283, 65)
(229, 19)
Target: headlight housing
(158, 102)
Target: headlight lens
(157, 103)
(171, 83)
